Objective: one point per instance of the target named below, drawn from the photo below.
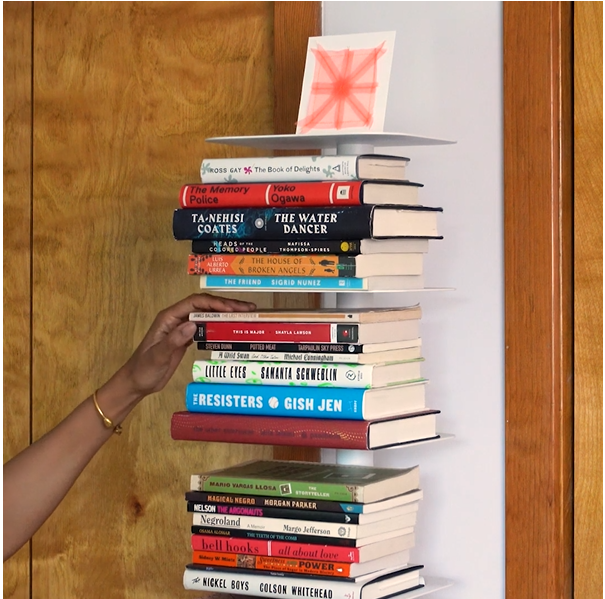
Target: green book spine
(277, 488)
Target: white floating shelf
(344, 142)
(441, 437)
(365, 457)
(431, 585)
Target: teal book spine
(288, 283)
(273, 400)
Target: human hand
(160, 352)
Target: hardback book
(318, 284)
(258, 583)
(312, 332)
(304, 505)
(394, 355)
(305, 432)
(333, 553)
(329, 348)
(292, 537)
(303, 168)
(312, 265)
(313, 516)
(360, 315)
(306, 402)
(358, 222)
(298, 194)
(309, 480)
(361, 376)
(300, 565)
(402, 245)
(305, 527)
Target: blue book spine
(270, 400)
(323, 283)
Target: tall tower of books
(346, 377)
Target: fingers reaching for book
(160, 352)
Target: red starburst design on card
(343, 89)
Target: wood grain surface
(588, 300)
(538, 298)
(17, 119)
(124, 95)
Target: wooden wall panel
(125, 94)
(588, 304)
(17, 64)
(538, 298)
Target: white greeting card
(346, 83)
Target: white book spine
(285, 357)
(278, 168)
(267, 585)
(408, 353)
(303, 527)
(290, 373)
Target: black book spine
(269, 512)
(311, 348)
(235, 533)
(252, 246)
(317, 505)
(353, 222)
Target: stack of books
(323, 223)
(300, 529)
(343, 379)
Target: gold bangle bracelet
(117, 429)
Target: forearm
(52, 464)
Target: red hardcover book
(299, 194)
(331, 553)
(304, 432)
(306, 332)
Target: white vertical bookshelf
(353, 144)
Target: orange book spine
(272, 265)
(280, 564)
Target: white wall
(447, 83)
